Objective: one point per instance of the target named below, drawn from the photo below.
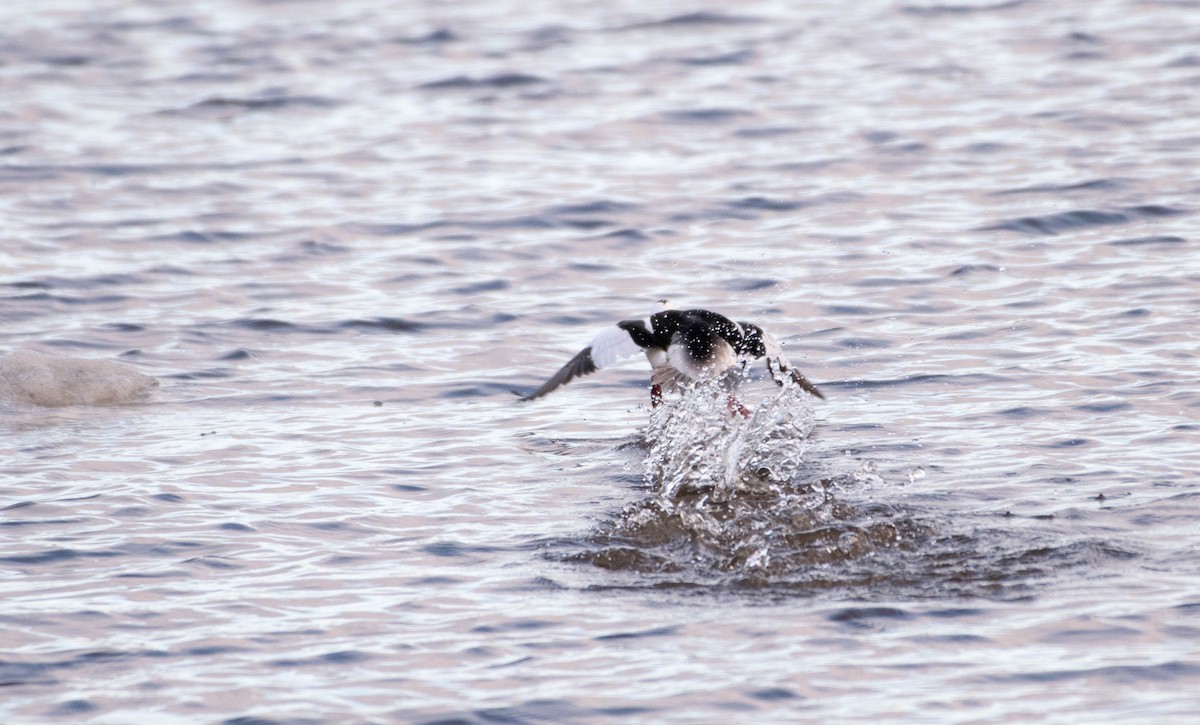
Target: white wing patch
(611, 345)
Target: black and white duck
(684, 347)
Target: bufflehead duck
(683, 346)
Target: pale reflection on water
(339, 236)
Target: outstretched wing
(780, 367)
(580, 365)
(781, 370)
(611, 345)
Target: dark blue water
(339, 234)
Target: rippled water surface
(339, 234)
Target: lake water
(339, 235)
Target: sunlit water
(339, 234)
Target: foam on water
(28, 377)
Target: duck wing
(781, 370)
(611, 345)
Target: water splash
(698, 445)
(755, 504)
(733, 501)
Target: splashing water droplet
(698, 446)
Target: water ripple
(1081, 219)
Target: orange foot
(735, 407)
